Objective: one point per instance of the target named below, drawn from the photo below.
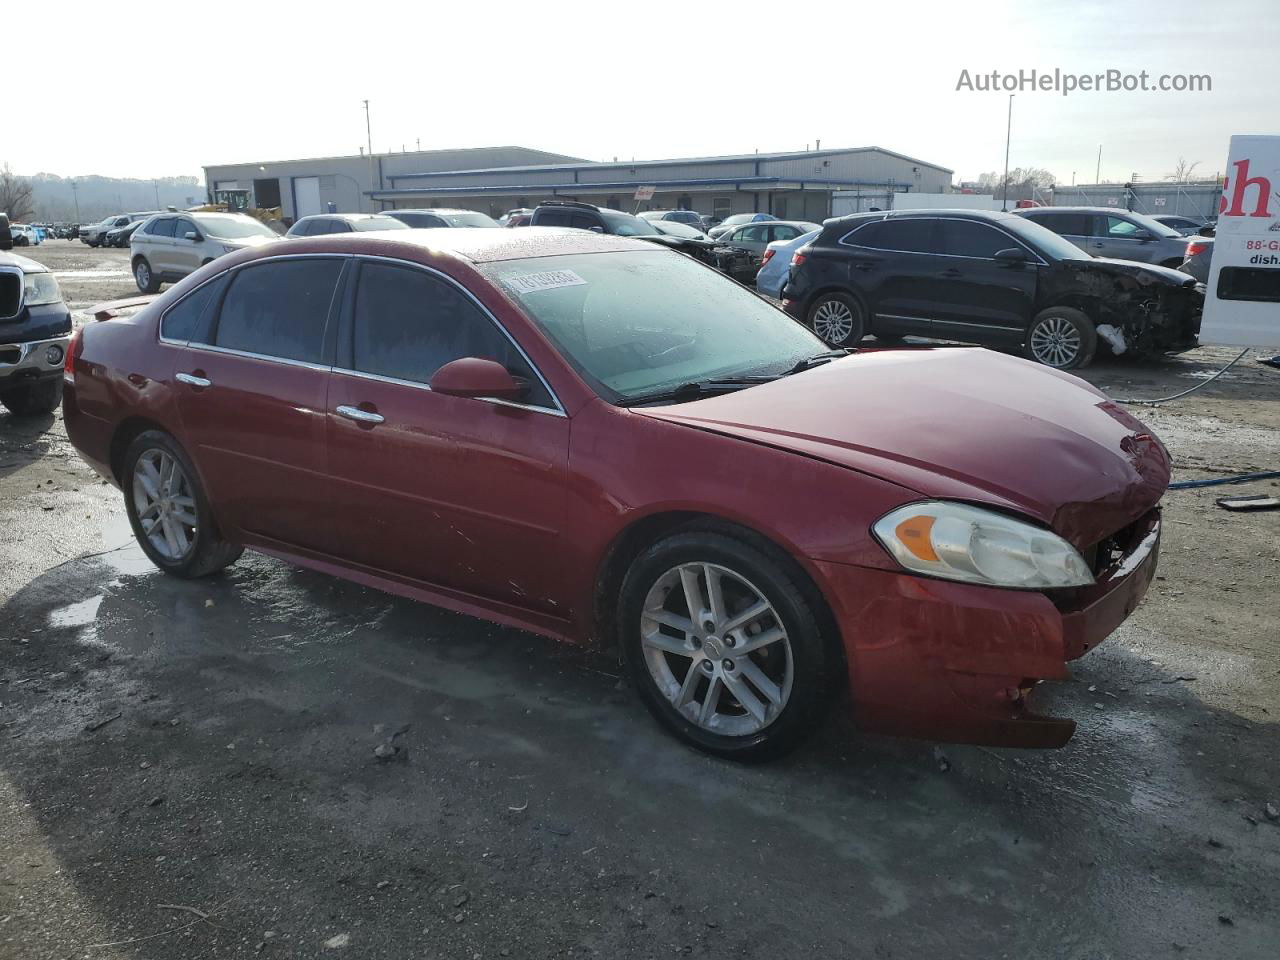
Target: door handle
(862, 266)
(192, 380)
(360, 416)
(951, 273)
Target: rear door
(159, 251)
(891, 263)
(1075, 227)
(978, 298)
(252, 387)
(465, 494)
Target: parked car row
(95, 234)
(422, 412)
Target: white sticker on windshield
(547, 280)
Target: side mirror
(1144, 235)
(6, 235)
(596, 229)
(1010, 257)
(474, 377)
(1208, 230)
(191, 235)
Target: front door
(464, 494)
(980, 299)
(252, 389)
(1121, 238)
(186, 247)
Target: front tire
(33, 400)
(144, 277)
(724, 646)
(838, 319)
(168, 510)
(1062, 338)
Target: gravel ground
(188, 769)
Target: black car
(989, 278)
(587, 216)
(319, 224)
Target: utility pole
(368, 131)
(75, 192)
(1008, 136)
(1097, 177)
(156, 184)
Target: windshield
(1043, 239)
(1155, 226)
(234, 228)
(470, 219)
(636, 323)
(675, 228)
(625, 225)
(377, 223)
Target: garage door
(306, 197)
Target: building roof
(556, 157)
(679, 161)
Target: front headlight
(40, 288)
(955, 541)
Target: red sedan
(599, 441)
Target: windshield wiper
(696, 389)
(817, 360)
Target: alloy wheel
(717, 649)
(142, 274)
(165, 505)
(1056, 342)
(833, 321)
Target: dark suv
(35, 330)
(587, 216)
(989, 278)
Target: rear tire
(33, 400)
(1062, 338)
(784, 681)
(838, 319)
(144, 277)
(168, 510)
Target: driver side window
(409, 323)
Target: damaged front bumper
(957, 663)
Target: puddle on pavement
(80, 614)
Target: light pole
(156, 184)
(75, 193)
(368, 132)
(1008, 135)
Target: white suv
(171, 245)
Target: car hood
(243, 242)
(24, 264)
(961, 424)
(1143, 272)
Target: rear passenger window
(966, 238)
(1064, 224)
(912, 235)
(182, 320)
(279, 309)
(553, 218)
(162, 228)
(409, 324)
(583, 222)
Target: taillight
(69, 362)
(797, 259)
(768, 255)
(1196, 247)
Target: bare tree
(1182, 172)
(15, 195)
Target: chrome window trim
(926, 253)
(559, 407)
(396, 381)
(228, 351)
(160, 325)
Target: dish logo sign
(1242, 296)
(1245, 190)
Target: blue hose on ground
(1218, 481)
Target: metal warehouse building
(797, 185)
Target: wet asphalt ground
(189, 769)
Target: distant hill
(102, 196)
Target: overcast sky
(153, 89)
